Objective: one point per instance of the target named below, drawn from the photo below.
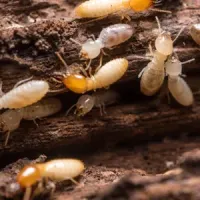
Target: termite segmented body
(176, 84)
(104, 77)
(98, 99)
(109, 37)
(24, 95)
(43, 108)
(195, 33)
(100, 8)
(61, 169)
(153, 74)
(10, 119)
(56, 170)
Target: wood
(29, 50)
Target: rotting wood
(106, 167)
(32, 47)
(29, 50)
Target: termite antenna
(68, 111)
(159, 10)
(179, 33)
(58, 90)
(76, 42)
(23, 81)
(159, 25)
(61, 59)
(188, 61)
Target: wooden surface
(29, 50)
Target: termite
(152, 76)
(109, 37)
(101, 8)
(56, 170)
(98, 99)
(10, 119)
(24, 95)
(195, 33)
(176, 84)
(104, 77)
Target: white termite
(24, 95)
(109, 37)
(43, 108)
(98, 99)
(56, 170)
(176, 84)
(152, 76)
(195, 33)
(10, 119)
(61, 169)
(104, 77)
(102, 8)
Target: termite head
(76, 83)
(140, 5)
(173, 67)
(164, 43)
(10, 120)
(91, 49)
(84, 105)
(28, 176)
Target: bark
(32, 31)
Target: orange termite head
(76, 83)
(28, 176)
(140, 5)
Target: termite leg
(34, 121)
(123, 15)
(27, 194)
(140, 74)
(74, 181)
(7, 138)
(83, 71)
(88, 65)
(150, 49)
(93, 37)
(90, 72)
(22, 81)
(94, 20)
(56, 80)
(61, 59)
(100, 64)
(1, 86)
(104, 108)
(75, 41)
(38, 189)
(104, 53)
(101, 111)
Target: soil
(126, 152)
